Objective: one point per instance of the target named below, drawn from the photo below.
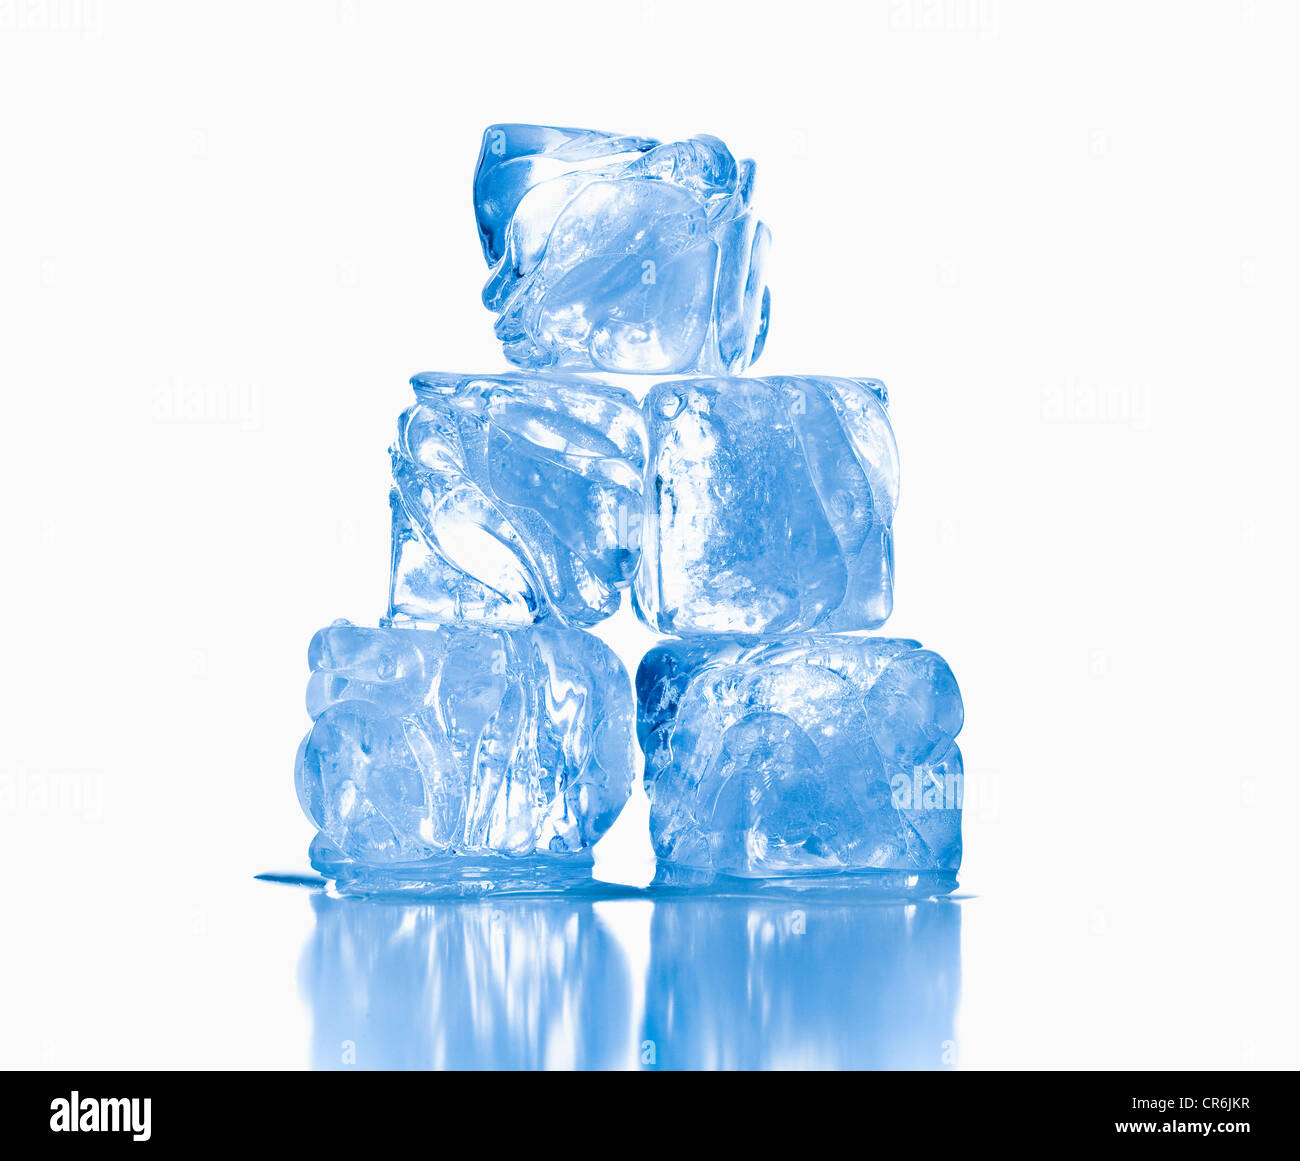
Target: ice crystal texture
(463, 741)
(803, 754)
(620, 254)
(515, 498)
(769, 505)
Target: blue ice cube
(769, 505)
(799, 755)
(516, 498)
(462, 741)
(620, 254)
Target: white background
(1065, 236)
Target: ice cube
(769, 506)
(462, 741)
(798, 755)
(516, 498)
(620, 254)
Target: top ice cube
(621, 254)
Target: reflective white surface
(256, 975)
(1065, 238)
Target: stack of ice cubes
(481, 739)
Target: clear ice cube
(515, 498)
(456, 741)
(799, 755)
(769, 506)
(620, 254)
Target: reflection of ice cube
(620, 254)
(565, 983)
(461, 741)
(510, 984)
(769, 505)
(515, 498)
(747, 984)
(801, 754)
